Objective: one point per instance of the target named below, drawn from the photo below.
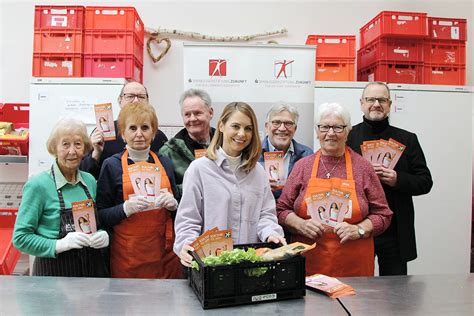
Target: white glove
(166, 200)
(74, 240)
(99, 239)
(136, 205)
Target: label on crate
(104, 119)
(264, 297)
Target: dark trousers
(388, 256)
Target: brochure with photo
(104, 119)
(274, 166)
(398, 149)
(151, 179)
(134, 172)
(329, 286)
(84, 216)
(341, 204)
(319, 209)
(199, 153)
(380, 150)
(219, 241)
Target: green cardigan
(37, 224)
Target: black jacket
(413, 178)
(113, 147)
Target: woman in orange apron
(335, 174)
(142, 225)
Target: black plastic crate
(228, 285)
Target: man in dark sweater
(410, 177)
(131, 92)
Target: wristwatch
(361, 231)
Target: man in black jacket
(411, 177)
(131, 92)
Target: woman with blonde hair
(227, 188)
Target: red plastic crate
(333, 46)
(388, 49)
(113, 42)
(18, 114)
(58, 42)
(9, 255)
(334, 69)
(392, 72)
(444, 74)
(59, 17)
(444, 52)
(113, 66)
(394, 24)
(447, 28)
(114, 18)
(57, 65)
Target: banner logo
(217, 67)
(283, 68)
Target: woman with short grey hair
(45, 225)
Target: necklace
(328, 173)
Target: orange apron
(330, 257)
(142, 244)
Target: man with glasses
(280, 127)
(190, 142)
(131, 92)
(411, 177)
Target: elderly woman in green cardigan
(45, 223)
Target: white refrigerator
(55, 98)
(441, 116)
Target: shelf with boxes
(74, 41)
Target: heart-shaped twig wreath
(158, 41)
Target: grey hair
(376, 83)
(65, 127)
(203, 95)
(281, 107)
(132, 81)
(336, 109)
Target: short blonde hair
(252, 152)
(66, 127)
(139, 112)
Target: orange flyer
(198, 153)
(274, 166)
(84, 216)
(319, 209)
(104, 119)
(219, 241)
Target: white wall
(220, 18)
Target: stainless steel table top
(23, 295)
(446, 294)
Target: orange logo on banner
(217, 67)
(283, 67)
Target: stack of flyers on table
(104, 120)
(284, 252)
(274, 166)
(146, 182)
(382, 152)
(332, 287)
(84, 216)
(213, 242)
(329, 207)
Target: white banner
(259, 75)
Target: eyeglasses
(288, 124)
(335, 128)
(131, 96)
(382, 101)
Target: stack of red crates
(57, 48)
(445, 51)
(113, 43)
(335, 57)
(391, 48)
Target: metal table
(23, 295)
(448, 294)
